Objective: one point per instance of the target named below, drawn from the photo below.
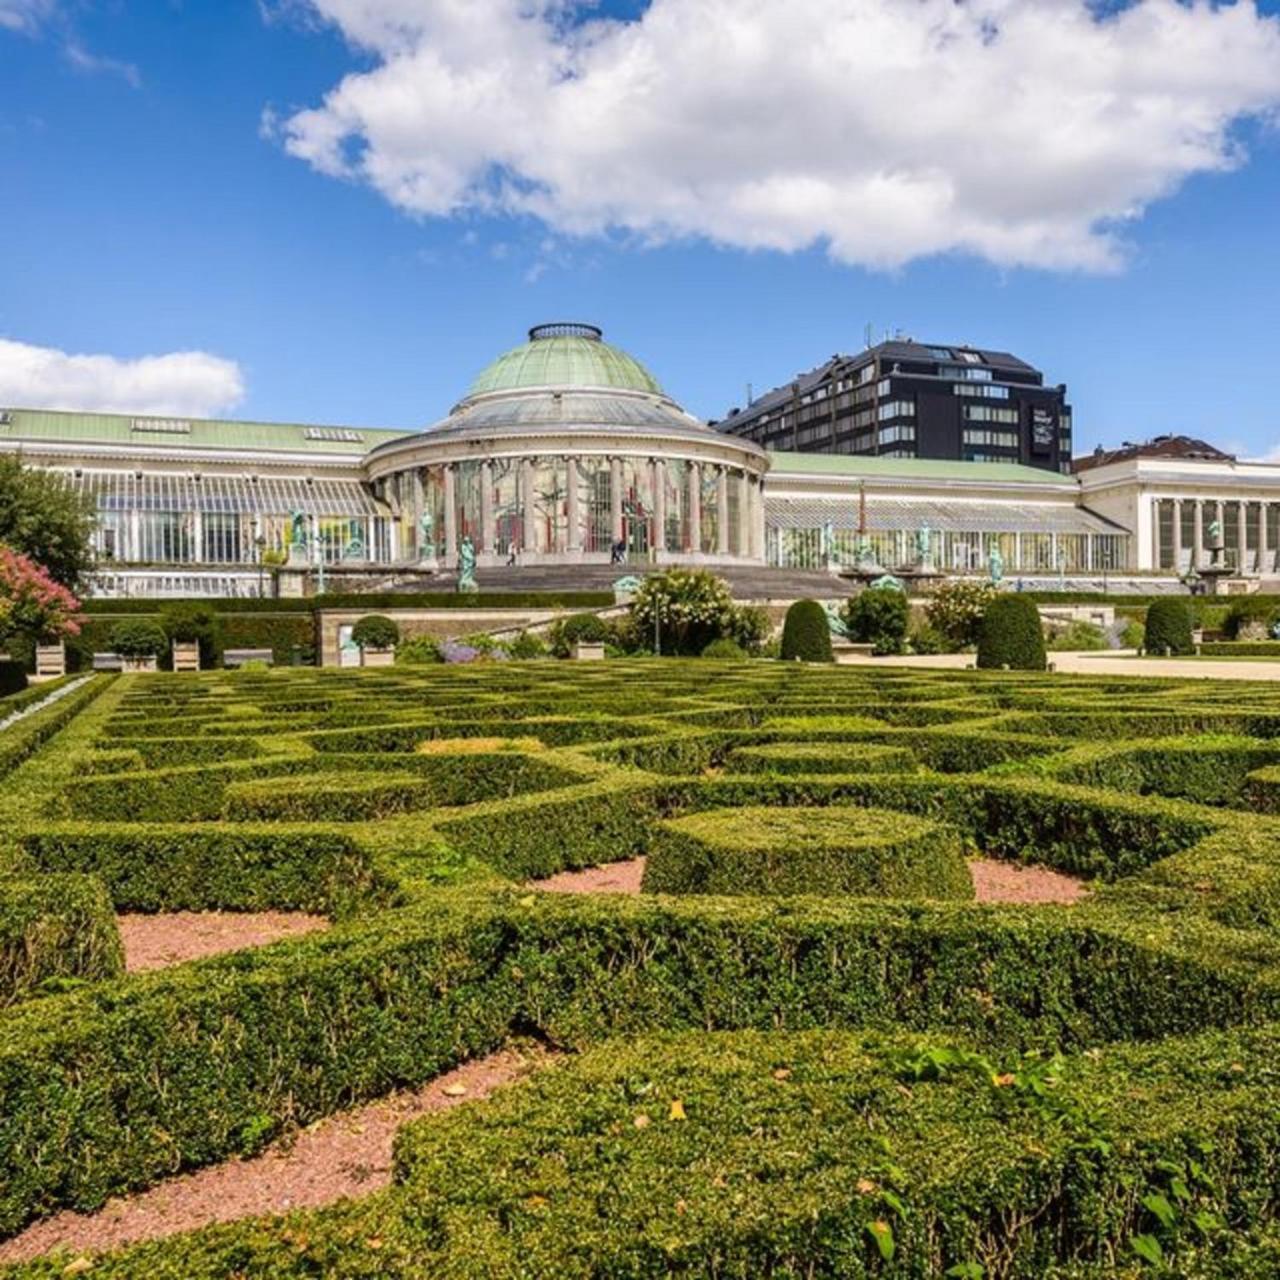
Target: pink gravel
(993, 881)
(341, 1156)
(157, 941)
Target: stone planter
(137, 665)
(589, 651)
(377, 657)
(186, 656)
(51, 659)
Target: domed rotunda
(566, 450)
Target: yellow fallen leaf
(641, 1121)
(677, 1110)
(78, 1267)
(866, 1186)
(782, 1073)
(1003, 1081)
(374, 1242)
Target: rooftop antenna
(750, 396)
(868, 336)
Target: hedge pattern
(866, 1085)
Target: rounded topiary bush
(1011, 636)
(375, 631)
(579, 628)
(1168, 628)
(187, 623)
(879, 616)
(138, 638)
(726, 650)
(806, 634)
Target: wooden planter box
(589, 651)
(186, 657)
(136, 665)
(377, 657)
(51, 660)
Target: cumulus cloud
(187, 383)
(1028, 132)
(24, 15)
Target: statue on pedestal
(995, 564)
(467, 565)
(297, 537)
(924, 548)
(426, 536)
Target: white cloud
(1024, 131)
(24, 15)
(83, 60)
(189, 383)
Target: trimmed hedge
(374, 600)
(1011, 636)
(54, 928)
(806, 633)
(30, 734)
(836, 851)
(1168, 629)
(820, 757)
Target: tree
(1011, 635)
(1168, 628)
(43, 517)
(806, 633)
(878, 616)
(955, 610)
(191, 623)
(32, 605)
(376, 631)
(692, 606)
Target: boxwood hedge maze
(805, 1049)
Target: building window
(987, 391)
(989, 413)
(896, 409)
(992, 439)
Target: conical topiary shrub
(1011, 635)
(806, 634)
(1168, 629)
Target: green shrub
(1133, 636)
(750, 628)
(955, 608)
(838, 850)
(527, 644)
(820, 757)
(878, 616)
(1011, 636)
(374, 631)
(1078, 635)
(1168, 628)
(927, 640)
(564, 633)
(138, 638)
(1249, 618)
(725, 649)
(13, 679)
(55, 927)
(189, 623)
(418, 651)
(686, 609)
(806, 633)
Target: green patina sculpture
(467, 565)
(298, 530)
(995, 564)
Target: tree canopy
(43, 517)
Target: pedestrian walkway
(1108, 662)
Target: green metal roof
(564, 355)
(55, 426)
(870, 467)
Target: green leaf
(1208, 1221)
(1148, 1249)
(965, 1271)
(1157, 1205)
(882, 1233)
(894, 1203)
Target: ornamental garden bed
(805, 1049)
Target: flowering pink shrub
(32, 604)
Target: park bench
(108, 662)
(238, 657)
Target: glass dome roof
(564, 355)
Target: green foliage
(820, 757)
(955, 609)
(691, 607)
(138, 638)
(189, 623)
(806, 633)
(878, 616)
(726, 650)
(835, 850)
(1133, 636)
(528, 644)
(750, 628)
(1168, 628)
(564, 633)
(375, 631)
(57, 926)
(43, 516)
(928, 639)
(418, 651)
(1250, 618)
(1078, 635)
(1011, 636)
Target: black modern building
(907, 399)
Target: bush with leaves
(692, 608)
(725, 650)
(32, 605)
(138, 638)
(578, 628)
(1078, 635)
(928, 640)
(1169, 628)
(376, 631)
(1249, 618)
(878, 616)
(955, 610)
(44, 517)
(806, 633)
(418, 651)
(525, 645)
(189, 623)
(750, 628)
(1011, 635)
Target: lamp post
(259, 544)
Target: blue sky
(150, 207)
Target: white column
(744, 515)
(450, 513)
(659, 505)
(487, 530)
(722, 512)
(615, 497)
(197, 537)
(1177, 535)
(757, 519)
(1197, 554)
(1242, 536)
(1155, 534)
(695, 507)
(529, 532)
(573, 513)
(1264, 551)
(135, 536)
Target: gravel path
(993, 881)
(32, 707)
(344, 1155)
(157, 941)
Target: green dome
(564, 355)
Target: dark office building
(905, 399)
